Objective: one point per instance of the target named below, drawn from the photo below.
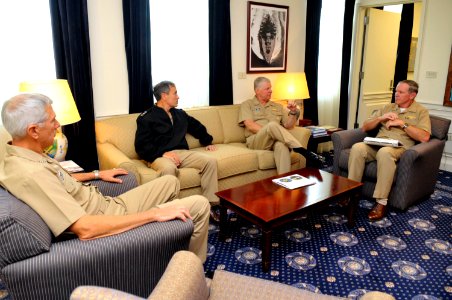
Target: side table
(314, 142)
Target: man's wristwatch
(405, 126)
(96, 174)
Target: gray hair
(259, 80)
(162, 87)
(23, 110)
(413, 87)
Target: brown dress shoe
(378, 212)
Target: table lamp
(63, 105)
(291, 86)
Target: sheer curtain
(330, 61)
(180, 48)
(27, 46)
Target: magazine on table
(293, 181)
(382, 142)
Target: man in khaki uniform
(66, 204)
(266, 125)
(406, 121)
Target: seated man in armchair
(406, 121)
(65, 203)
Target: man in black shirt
(160, 140)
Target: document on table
(382, 142)
(293, 181)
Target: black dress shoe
(215, 214)
(378, 212)
(312, 159)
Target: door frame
(354, 92)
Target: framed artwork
(448, 92)
(267, 37)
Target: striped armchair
(33, 265)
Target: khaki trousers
(162, 192)
(206, 165)
(386, 158)
(275, 137)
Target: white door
(379, 58)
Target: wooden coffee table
(270, 206)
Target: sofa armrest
(89, 292)
(115, 189)
(417, 171)
(344, 140)
(110, 156)
(301, 134)
(132, 262)
(183, 279)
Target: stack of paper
(293, 181)
(317, 131)
(71, 166)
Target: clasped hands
(391, 119)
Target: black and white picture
(267, 37)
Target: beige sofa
(236, 163)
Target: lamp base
(58, 149)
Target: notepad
(293, 181)
(382, 142)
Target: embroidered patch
(60, 175)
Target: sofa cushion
(208, 116)
(119, 131)
(233, 133)
(22, 231)
(233, 159)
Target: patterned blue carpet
(408, 254)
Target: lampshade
(64, 107)
(58, 90)
(290, 86)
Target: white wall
(108, 58)
(243, 88)
(109, 66)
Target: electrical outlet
(242, 75)
(430, 74)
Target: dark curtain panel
(346, 55)
(137, 35)
(220, 66)
(313, 10)
(403, 48)
(72, 60)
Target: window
(180, 48)
(330, 59)
(27, 46)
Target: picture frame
(268, 26)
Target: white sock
(382, 201)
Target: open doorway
(374, 57)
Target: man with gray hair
(406, 121)
(65, 204)
(266, 127)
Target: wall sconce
(291, 86)
(63, 105)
